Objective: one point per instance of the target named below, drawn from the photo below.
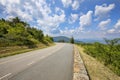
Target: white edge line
(5, 76)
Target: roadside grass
(13, 50)
(96, 70)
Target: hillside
(15, 32)
(17, 36)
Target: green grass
(96, 69)
(14, 50)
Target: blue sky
(82, 19)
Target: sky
(82, 19)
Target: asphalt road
(53, 63)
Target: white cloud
(73, 18)
(67, 32)
(115, 29)
(117, 25)
(57, 9)
(77, 34)
(104, 24)
(51, 21)
(36, 12)
(66, 3)
(86, 19)
(42, 15)
(4, 2)
(48, 23)
(14, 8)
(103, 10)
(75, 5)
(111, 31)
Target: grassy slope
(9, 51)
(97, 70)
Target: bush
(108, 53)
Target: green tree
(17, 32)
(72, 40)
(3, 28)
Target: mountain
(63, 39)
(92, 40)
(66, 39)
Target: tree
(72, 40)
(17, 32)
(16, 20)
(112, 42)
(3, 28)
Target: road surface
(53, 63)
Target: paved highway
(53, 63)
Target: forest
(15, 32)
(108, 54)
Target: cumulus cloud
(67, 32)
(15, 8)
(51, 21)
(4, 2)
(36, 12)
(58, 11)
(102, 11)
(73, 18)
(86, 19)
(111, 31)
(115, 29)
(104, 24)
(117, 25)
(49, 16)
(66, 3)
(82, 35)
(76, 4)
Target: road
(53, 63)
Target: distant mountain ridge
(64, 39)
(61, 38)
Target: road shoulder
(80, 72)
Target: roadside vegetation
(95, 69)
(17, 35)
(108, 54)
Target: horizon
(81, 40)
(82, 19)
